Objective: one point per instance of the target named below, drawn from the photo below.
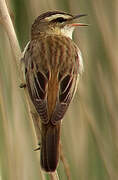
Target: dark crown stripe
(50, 13)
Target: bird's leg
(22, 85)
(38, 147)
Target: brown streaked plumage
(52, 66)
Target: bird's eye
(59, 19)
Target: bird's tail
(50, 146)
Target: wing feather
(37, 90)
(40, 72)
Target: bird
(52, 67)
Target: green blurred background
(90, 127)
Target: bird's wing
(51, 88)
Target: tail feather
(50, 147)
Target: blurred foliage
(90, 127)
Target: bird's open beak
(78, 24)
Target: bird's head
(55, 22)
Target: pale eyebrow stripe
(57, 16)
